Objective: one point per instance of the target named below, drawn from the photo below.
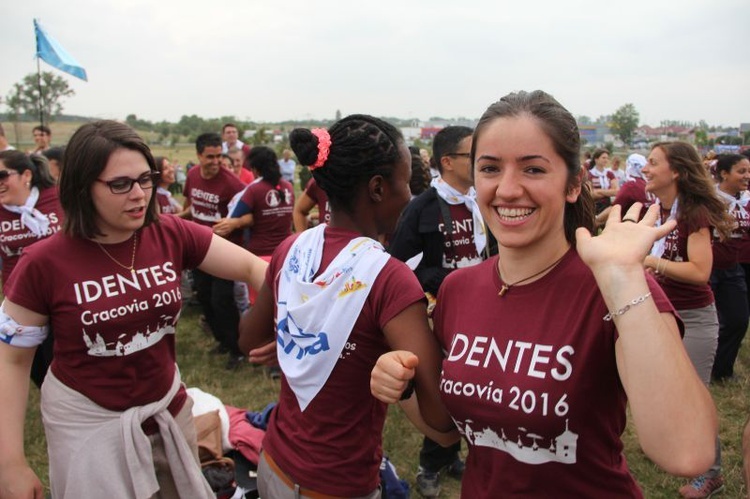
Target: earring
(28, 184)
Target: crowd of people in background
(388, 274)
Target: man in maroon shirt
(208, 190)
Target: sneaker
(428, 483)
(456, 469)
(702, 486)
(234, 362)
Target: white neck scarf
(733, 203)
(172, 201)
(452, 196)
(602, 176)
(315, 316)
(657, 249)
(36, 221)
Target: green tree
(624, 122)
(701, 138)
(261, 136)
(26, 96)
(14, 102)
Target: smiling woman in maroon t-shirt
(108, 285)
(550, 341)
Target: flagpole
(39, 82)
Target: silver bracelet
(633, 303)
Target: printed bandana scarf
(315, 316)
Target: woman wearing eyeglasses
(29, 212)
(117, 418)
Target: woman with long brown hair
(681, 261)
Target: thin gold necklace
(131, 268)
(506, 286)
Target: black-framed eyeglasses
(4, 174)
(123, 185)
(460, 154)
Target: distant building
(428, 133)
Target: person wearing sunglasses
(29, 212)
(117, 417)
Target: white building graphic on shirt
(139, 341)
(526, 447)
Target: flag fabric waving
(55, 55)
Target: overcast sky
(273, 60)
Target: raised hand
(624, 242)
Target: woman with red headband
(334, 301)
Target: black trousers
(216, 298)
(433, 457)
(730, 292)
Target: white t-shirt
(225, 146)
(287, 169)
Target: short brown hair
(85, 157)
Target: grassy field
(20, 136)
(250, 388)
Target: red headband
(324, 147)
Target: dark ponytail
(361, 146)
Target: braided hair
(361, 147)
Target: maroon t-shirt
(168, 205)
(596, 182)
(114, 330)
(209, 197)
(460, 250)
(320, 197)
(684, 296)
(732, 251)
(632, 192)
(15, 237)
(272, 214)
(334, 446)
(531, 380)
